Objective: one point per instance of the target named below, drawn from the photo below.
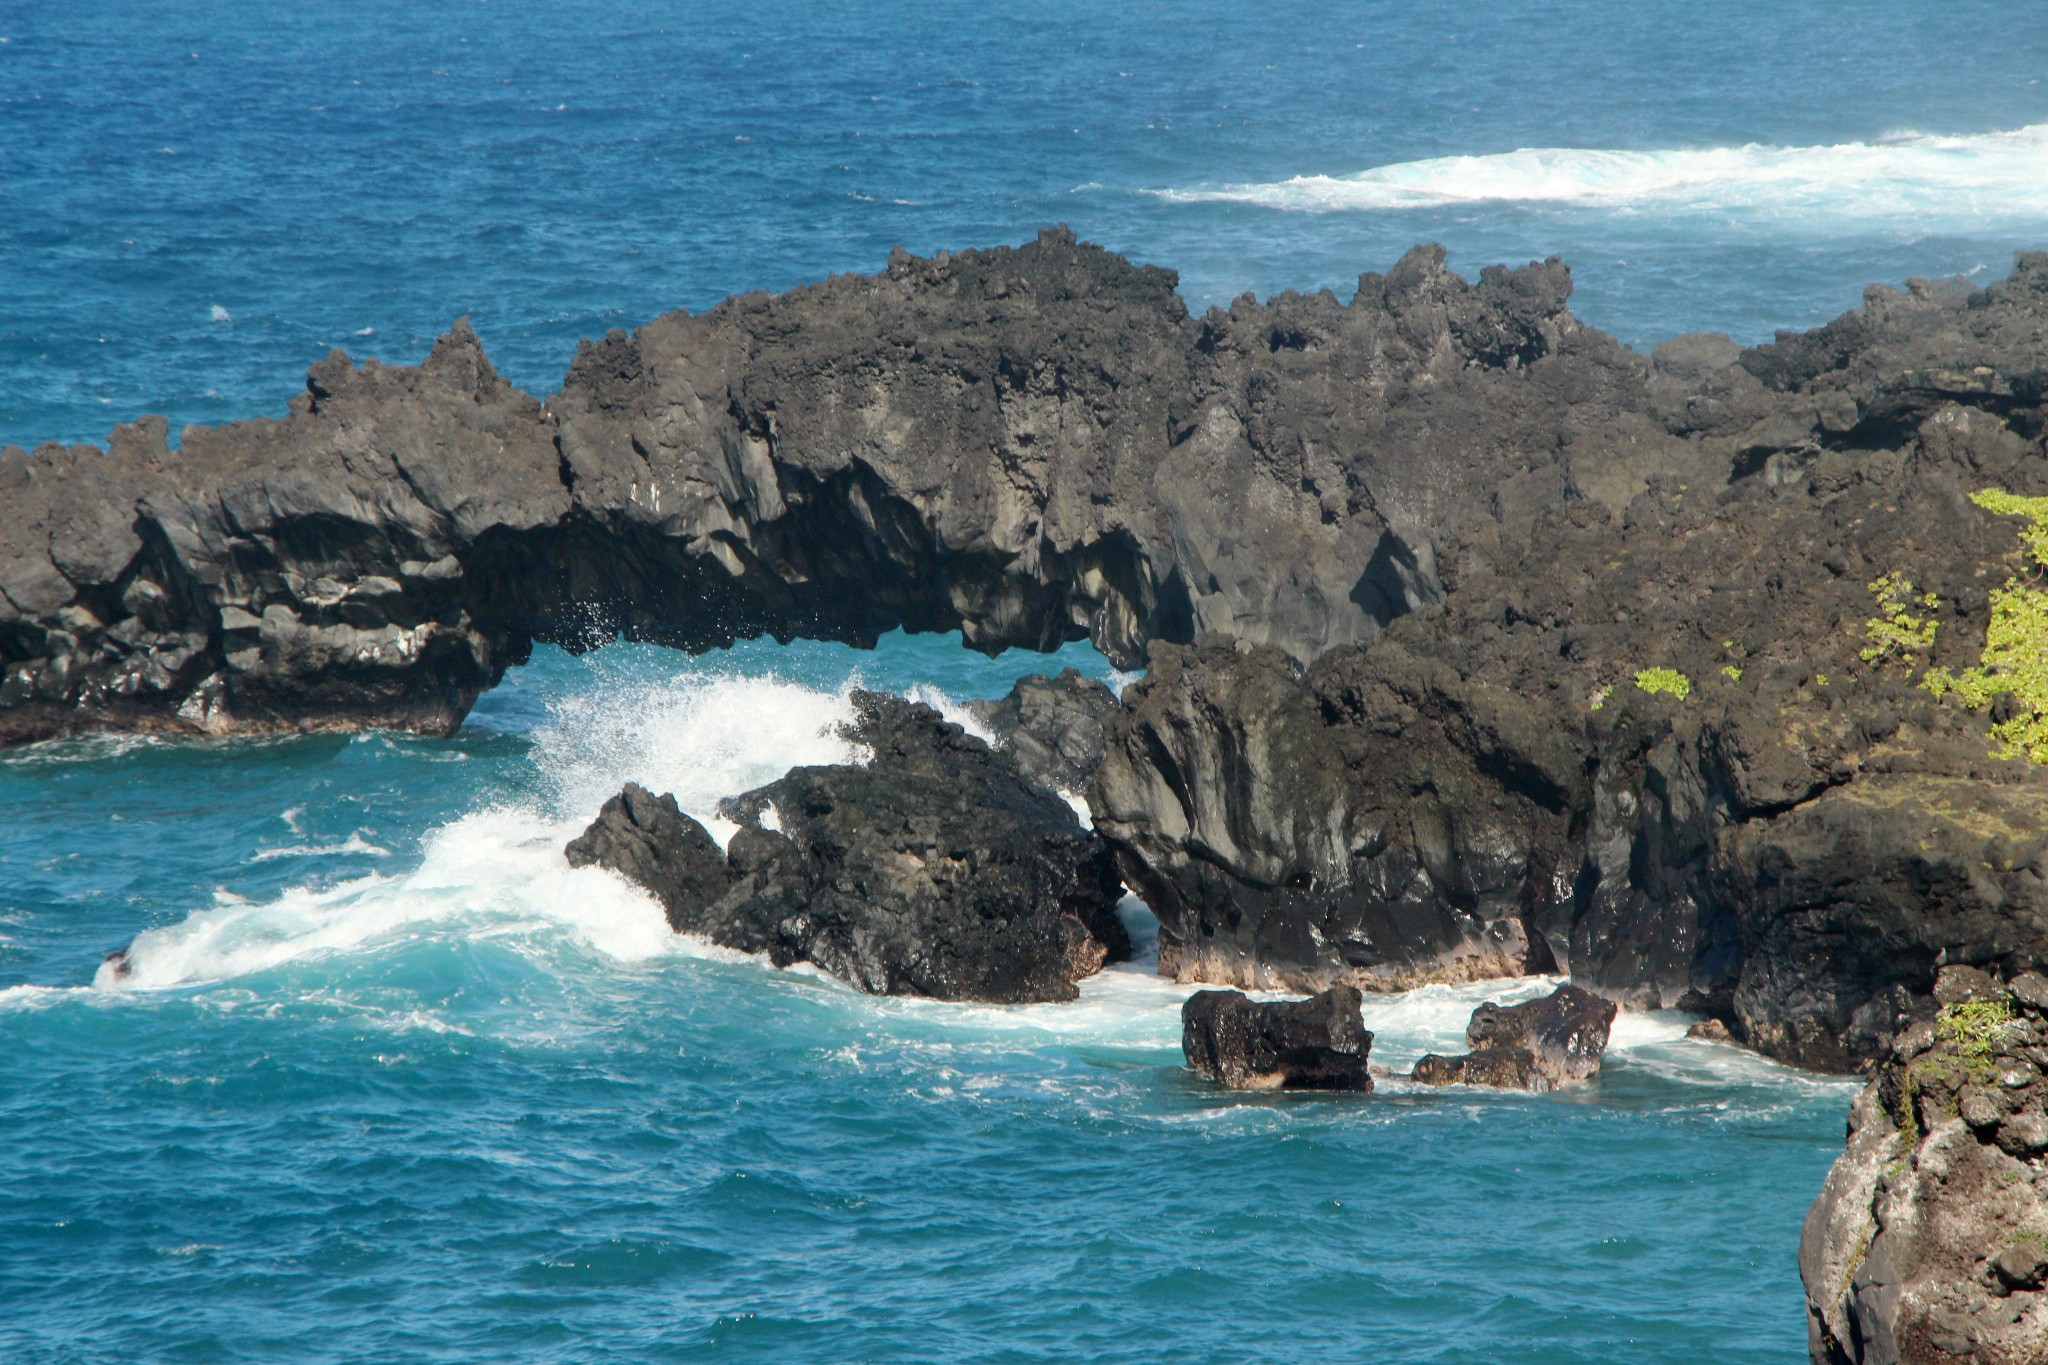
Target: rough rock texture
(1051, 727)
(649, 840)
(1929, 1242)
(330, 570)
(1320, 1043)
(1031, 445)
(1537, 1045)
(934, 869)
(1791, 846)
(1397, 560)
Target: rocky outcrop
(1648, 735)
(1544, 1044)
(1399, 562)
(1929, 1242)
(1316, 1044)
(1029, 445)
(933, 869)
(647, 839)
(328, 570)
(1051, 727)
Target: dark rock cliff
(1793, 843)
(1030, 445)
(1929, 1242)
(1397, 561)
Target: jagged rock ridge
(1929, 1242)
(1030, 445)
(1779, 830)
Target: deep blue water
(392, 1083)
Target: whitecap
(1905, 178)
(355, 843)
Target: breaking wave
(1980, 177)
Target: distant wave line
(1912, 174)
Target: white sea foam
(1981, 177)
(355, 843)
(491, 874)
(499, 873)
(700, 737)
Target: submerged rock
(1316, 1044)
(934, 869)
(1537, 1045)
(1712, 1031)
(1500, 1068)
(1929, 1242)
(1051, 727)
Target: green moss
(1667, 680)
(1895, 634)
(2014, 663)
(1974, 1027)
(1731, 672)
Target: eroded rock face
(323, 571)
(1537, 1045)
(934, 869)
(1283, 852)
(1316, 1044)
(1929, 1242)
(1051, 727)
(1791, 845)
(1398, 560)
(1030, 445)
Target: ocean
(390, 1082)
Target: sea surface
(390, 1082)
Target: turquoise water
(391, 1083)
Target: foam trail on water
(355, 843)
(499, 872)
(496, 873)
(1976, 178)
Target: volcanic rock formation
(934, 869)
(1051, 727)
(1478, 643)
(1665, 729)
(647, 839)
(1537, 1045)
(1030, 445)
(1316, 1044)
(1929, 1242)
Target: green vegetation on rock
(1974, 1026)
(1895, 632)
(2014, 663)
(1668, 680)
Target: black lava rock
(649, 840)
(1320, 1043)
(1537, 1045)
(1051, 727)
(934, 869)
